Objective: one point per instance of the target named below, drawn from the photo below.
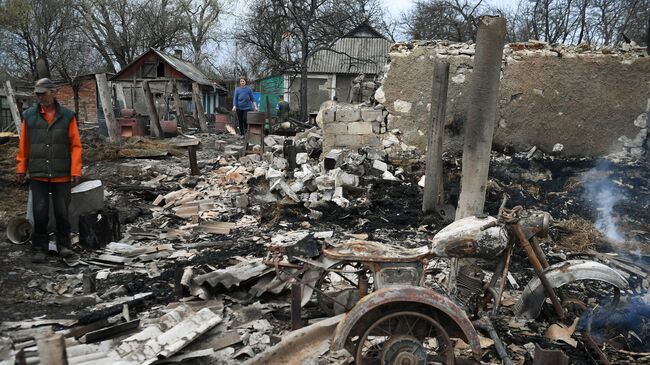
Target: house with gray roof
(363, 51)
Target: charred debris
(209, 248)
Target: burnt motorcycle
(392, 317)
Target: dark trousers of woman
(61, 196)
(242, 117)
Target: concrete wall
(584, 100)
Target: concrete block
(347, 140)
(302, 158)
(370, 115)
(374, 153)
(329, 115)
(371, 140)
(376, 127)
(334, 128)
(324, 182)
(348, 113)
(280, 163)
(345, 179)
(360, 128)
(379, 166)
(332, 159)
(269, 141)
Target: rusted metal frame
(504, 278)
(297, 279)
(493, 281)
(411, 294)
(485, 324)
(548, 288)
(538, 251)
(589, 341)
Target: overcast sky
(395, 7)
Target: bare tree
(201, 18)
(442, 19)
(32, 29)
(122, 29)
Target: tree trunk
(303, 83)
(481, 115)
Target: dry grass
(577, 235)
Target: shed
(160, 69)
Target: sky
(395, 7)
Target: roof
(352, 55)
(364, 30)
(186, 68)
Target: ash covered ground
(581, 194)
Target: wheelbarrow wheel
(405, 338)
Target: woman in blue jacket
(242, 102)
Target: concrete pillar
(433, 189)
(481, 115)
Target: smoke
(604, 196)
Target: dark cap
(43, 85)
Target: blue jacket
(243, 98)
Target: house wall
(318, 90)
(585, 100)
(135, 70)
(87, 100)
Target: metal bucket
(169, 127)
(19, 230)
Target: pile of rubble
(514, 51)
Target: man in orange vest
(50, 151)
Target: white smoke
(604, 196)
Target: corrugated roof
(353, 56)
(186, 68)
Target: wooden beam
(15, 114)
(107, 107)
(198, 106)
(433, 182)
(180, 113)
(154, 122)
(119, 94)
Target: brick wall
(349, 126)
(87, 100)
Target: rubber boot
(40, 243)
(64, 246)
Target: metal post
(194, 167)
(296, 299)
